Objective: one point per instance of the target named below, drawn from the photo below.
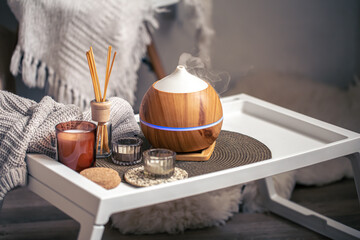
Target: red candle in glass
(76, 144)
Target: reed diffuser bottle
(100, 107)
(100, 113)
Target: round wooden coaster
(136, 177)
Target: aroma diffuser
(181, 112)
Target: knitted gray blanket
(28, 126)
(54, 36)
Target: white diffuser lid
(180, 81)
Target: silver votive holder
(159, 163)
(127, 151)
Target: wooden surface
(204, 155)
(26, 216)
(100, 111)
(155, 60)
(181, 110)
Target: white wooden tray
(295, 141)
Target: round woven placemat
(231, 150)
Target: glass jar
(100, 113)
(75, 144)
(127, 151)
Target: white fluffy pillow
(204, 210)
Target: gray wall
(314, 38)
(7, 19)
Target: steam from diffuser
(194, 65)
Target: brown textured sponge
(105, 177)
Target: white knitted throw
(55, 35)
(27, 126)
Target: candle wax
(76, 148)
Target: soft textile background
(55, 35)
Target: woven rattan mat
(231, 150)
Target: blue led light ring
(175, 129)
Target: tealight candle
(75, 142)
(159, 163)
(126, 151)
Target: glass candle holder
(159, 163)
(104, 132)
(100, 113)
(126, 151)
(75, 144)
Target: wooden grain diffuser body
(181, 112)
